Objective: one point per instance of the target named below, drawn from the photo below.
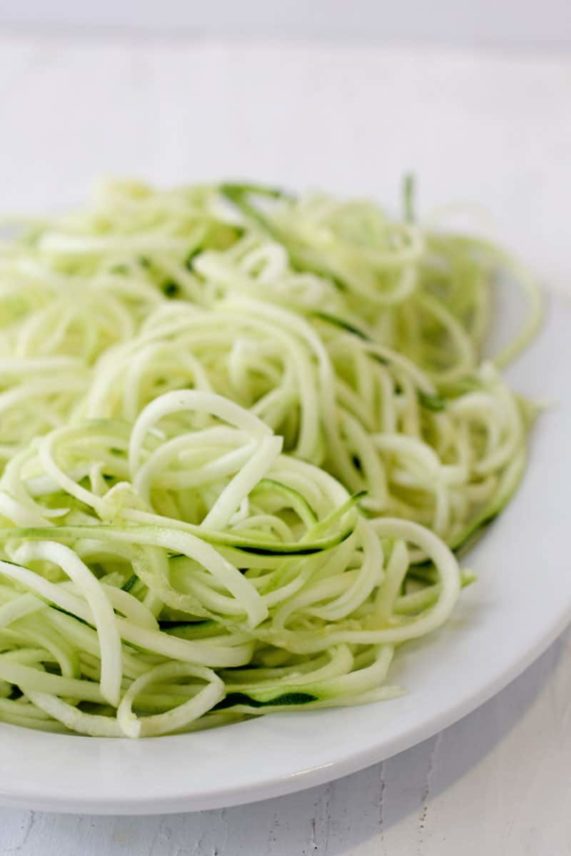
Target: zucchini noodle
(242, 436)
(364, 412)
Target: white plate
(521, 603)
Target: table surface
(493, 129)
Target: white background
(489, 127)
(504, 23)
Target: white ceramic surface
(496, 782)
(521, 603)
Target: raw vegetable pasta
(242, 436)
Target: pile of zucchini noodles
(242, 437)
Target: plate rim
(277, 786)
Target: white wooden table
(481, 127)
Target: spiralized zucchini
(240, 435)
(368, 415)
(139, 562)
